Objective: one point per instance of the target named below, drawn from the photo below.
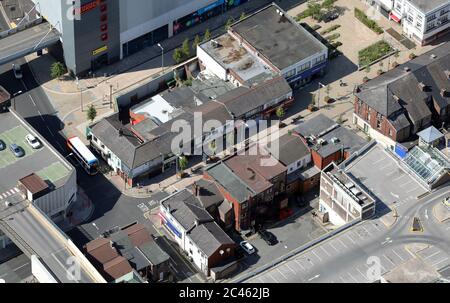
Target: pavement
(17, 270)
(441, 212)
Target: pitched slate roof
(243, 99)
(187, 210)
(291, 149)
(400, 88)
(153, 253)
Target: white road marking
(287, 265)
(426, 214)
(318, 257)
(313, 278)
(351, 276)
(284, 277)
(439, 262)
(325, 251)
(333, 246)
(270, 276)
(299, 264)
(16, 189)
(353, 241)
(364, 276)
(432, 255)
(393, 264)
(340, 241)
(401, 258)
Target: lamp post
(81, 93)
(162, 56)
(14, 98)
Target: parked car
(17, 71)
(249, 249)
(17, 150)
(331, 16)
(2, 145)
(33, 141)
(268, 237)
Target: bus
(83, 155)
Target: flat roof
(44, 162)
(277, 37)
(428, 5)
(228, 52)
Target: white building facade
(423, 20)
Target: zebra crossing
(9, 193)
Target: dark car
(331, 16)
(2, 145)
(268, 237)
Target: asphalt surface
(349, 257)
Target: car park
(33, 141)
(268, 237)
(247, 247)
(17, 150)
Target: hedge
(359, 14)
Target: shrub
(57, 70)
(330, 29)
(359, 14)
(374, 52)
(332, 37)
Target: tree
(177, 55)
(328, 4)
(182, 163)
(196, 42)
(228, 24)
(314, 10)
(242, 17)
(185, 48)
(207, 36)
(91, 113)
(57, 70)
(280, 112)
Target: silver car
(17, 150)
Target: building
(266, 43)
(129, 254)
(255, 192)
(42, 176)
(99, 32)
(5, 99)
(195, 231)
(431, 137)
(422, 20)
(397, 105)
(329, 141)
(342, 198)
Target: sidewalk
(81, 211)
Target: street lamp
(14, 98)
(162, 56)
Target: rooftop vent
(321, 141)
(422, 86)
(445, 93)
(335, 140)
(406, 69)
(433, 56)
(396, 98)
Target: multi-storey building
(422, 20)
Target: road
(350, 257)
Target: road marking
(363, 275)
(351, 276)
(401, 258)
(340, 241)
(287, 265)
(353, 241)
(432, 255)
(299, 264)
(333, 246)
(23, 265)
(318, 257)
(395, 196)
(443, 260)
(313, 278)
(325, 251)
(426, 214)
(284, 277)
(16, 189)
(389, 260)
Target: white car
(33, 141)
(247, 247)
(17, 71)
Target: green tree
(228, 24)
(177, 55)
(314, 9)
(91, 113)
(207, 36)
(57, 70)
(196, 42)
(328, 4)
(182, 163)
(280, 112)
(185, 48)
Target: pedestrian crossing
(9, 193)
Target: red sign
(87, 7)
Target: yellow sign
(99, 50)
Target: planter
(312, 108)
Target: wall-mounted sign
(99, 50)
(86, 7)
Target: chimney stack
(196, 189)
(445, 93)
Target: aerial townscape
(220, 142)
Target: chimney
(196, 189)
(396, 98)
(197, 223)
(433, 56)
(406, 69)
(447, 74)
(445, 93)
(120, 132)
(422, 86)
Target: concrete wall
(52, 11)
(211, 65)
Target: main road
(353, 255)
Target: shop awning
(394, 17)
